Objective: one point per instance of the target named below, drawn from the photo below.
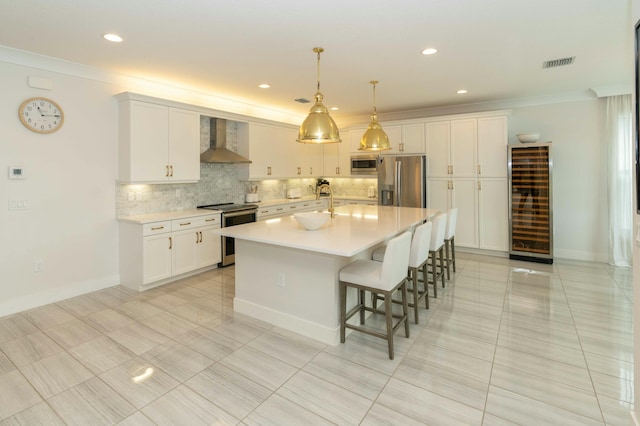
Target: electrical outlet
(281, 280)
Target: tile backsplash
(219, 183)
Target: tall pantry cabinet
(468, 170)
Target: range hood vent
(218, 152)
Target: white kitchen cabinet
(337, 157)
(291, 207)
(159, 252)
(305, 159)
(493, 212)
(267, 146)
(444, 194)
(158, 144)
(492, 146)
(355, 135)
(467, 169)
(405, 138)
(156, 259)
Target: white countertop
(354, 229)
(159, 217)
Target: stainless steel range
(232, 214)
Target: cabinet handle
(479, 185)
(185, 224)
(210, 220)
(197, 237)
(478, 168)
(268, 170)
(170, 243)
(167, 174)
(200, 236)
(299, 171)
(279, 210)
(310, 170)
(171, 168)
(402, 146)
(293, 207)
(337, 170)
(156, 228)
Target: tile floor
(505, 343)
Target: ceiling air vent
(558, 62)
(302, 100)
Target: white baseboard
(329, 336)
(12, 306)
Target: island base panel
(290, 288)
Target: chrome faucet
(319, 189)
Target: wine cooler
(530, 202)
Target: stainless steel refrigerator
(402, 180)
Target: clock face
(41, 115)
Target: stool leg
(413, 276)
(434, 273)
(453, 252)
(442, 264)
(343, 310)
(426, 285)
(361, 304)
(405, 310)
(446, 247)
(387, 309)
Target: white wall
(579, 174)
(70, 224)
(635, 17)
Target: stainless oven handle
(241, 213)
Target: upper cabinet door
(144, 142)
(492, 146)
(438, 141)
(464, 137)
(184, 145)
(158, 144)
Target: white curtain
(620, 165)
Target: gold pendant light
(318, 127)
(374, 138)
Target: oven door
(228, 243)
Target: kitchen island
(288, 276)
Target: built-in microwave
(364, 164)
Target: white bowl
(528, 137)
(312, 220)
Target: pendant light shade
(318, 127)
(374, 138)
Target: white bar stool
(449, 241)
(383, 278)
(437, 246)
(418, 261)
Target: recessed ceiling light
(462, 92)
(334, 108)
(113, 37)
(429, 51)
(264, 86)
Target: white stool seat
(384, 278)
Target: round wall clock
(41, 115)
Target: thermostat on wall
(16, 172)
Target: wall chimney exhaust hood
(218, 152)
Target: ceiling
(495, 49)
